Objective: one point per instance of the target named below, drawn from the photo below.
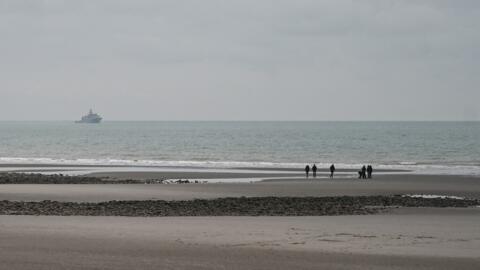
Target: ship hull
(96, 121)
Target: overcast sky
(240, 60)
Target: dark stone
(252, 206)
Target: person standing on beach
(332, 170)
(307, 170)
(369, 171)
(364, 172)
(314, 170)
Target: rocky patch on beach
(36, 178)
(258, 206)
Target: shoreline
(261, 171)
(189, 167)
(267, 168)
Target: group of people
(314, 170)
(364, 173)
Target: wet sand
(462, 186)
(406, 239)
(142, 175)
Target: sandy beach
(401, 238)
(404, 239)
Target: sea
(422, 147)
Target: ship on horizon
(90, 118)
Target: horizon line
(262, 120)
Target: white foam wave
(408, 163)
(431, 196)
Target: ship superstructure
(90, 118)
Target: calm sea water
(447, 146)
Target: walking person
(332, 170)
(364, 172)
(314, 170)
(369, 171)
(307, 170)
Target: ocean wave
(430, 196)
(408, 163)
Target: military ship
(90, 118)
